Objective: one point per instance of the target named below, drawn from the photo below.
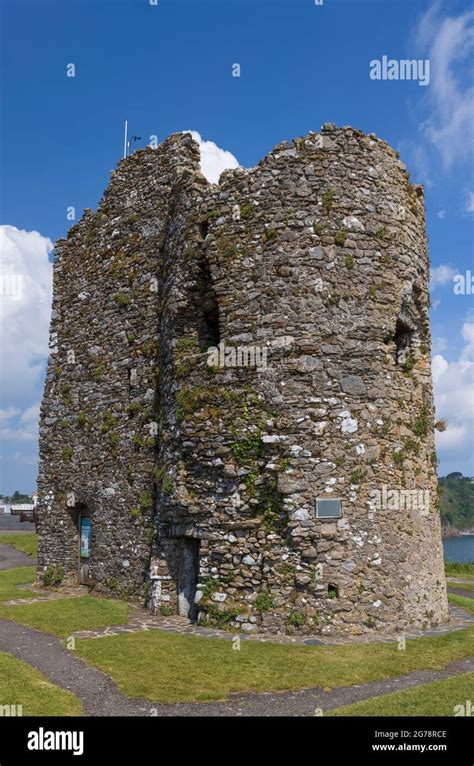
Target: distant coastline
(456, 494)
(447, 532)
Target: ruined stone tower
(297, 494)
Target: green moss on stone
(247, 211)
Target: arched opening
(404, 334)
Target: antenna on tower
(128, 142)
(132, 139)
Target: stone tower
(284, 480)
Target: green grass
(26, 542)
(436, 699)
(20, 684)
(453, 569)
(165, 667)
(466, 603)
(65, 616)
(10, 579)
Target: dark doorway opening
(403, 341)
(85, 534)
(188, 575)
(208, 308)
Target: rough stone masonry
(204, 486)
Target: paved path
(10, 557)
(100, 696)
(12, 523)
(97, 692)
(461, 592)
(141, 620)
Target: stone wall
(318, 256)
(97, 439)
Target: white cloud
(454, 397)
(8, 414)
(470, 202)
(441, 275)
(24, 320)
(214, 160)
(418, 158)
(448, 42)
(467, 333)
(24, 317)
(20, 426)
(439, 345)
(22, 459)
(441, 214)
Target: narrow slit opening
(333, 591)
(208, 324)
(403, 341)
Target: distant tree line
(15, 499)
(456, 495)
(457, 501)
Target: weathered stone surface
(353, 384)
(215, 471)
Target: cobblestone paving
(100, 696)
(141, 620)
(46, 595)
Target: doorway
(188, 575)
(85, 532)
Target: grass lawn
(67, 615)
(27, 542)
(438, 698)
(165, 667)
(466, 603)
(60, 617)
(459, 570)
(20, 684)
(11, 578)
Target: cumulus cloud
(454, 398)
(214, 160)
(25, 308)
(448, 42)
(439, 345)
(16, 425)
(470, 202)
(468, 335)
(441, 275)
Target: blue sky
(168, 67)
